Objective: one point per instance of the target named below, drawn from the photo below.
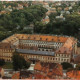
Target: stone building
(6, 51)
(46, 48)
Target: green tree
(78, 66)
(19, 62)
(38, 27)
(66, 65)
(2, 62)
(52, 16)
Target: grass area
(8, 65)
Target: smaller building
(46, 20)
(46, 5)
(49, 70)
(66, 9)
(19, 7)
(50, 11)
(6, 51)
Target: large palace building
(33, 47)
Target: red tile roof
(38, 66)
(5, 45)
(49, 68)
(74, 74)
(16, 76)
(67, 47)
(40, 76)
(16, 37)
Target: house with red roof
(49, 70)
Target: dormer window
(40, 38)
(17, 37)
(34, 38)
(14, 38)
(52, 39)
(59, 51)
(5, 46)
(46, 39)
(28, 37)
(64, 51)
(50, 69)
(22, 37)
(58, 39)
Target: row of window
(62, 55)
(39, 42)
(41, 45)
(45, 58)
(40, 49)
(6, 59)
(6, 54)
(25, 45)
(61, 60)
(5, 50)
(38, 57)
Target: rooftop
(67, 47)
(49, 68)
(41, 37)
(74, 74)
(35, 52)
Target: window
(57, 55)
(46, 39)
(64, 51)
(28, 37)
(58, 39)
(40, 38)
(5, 46)
(67, 60)
(52, 39)
(59, 51)
(51, 58)
(17, 37)
(42, 49)
(48, 58)
(34, 38)
(61, 59)
(22, 37)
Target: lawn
(8, 65)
